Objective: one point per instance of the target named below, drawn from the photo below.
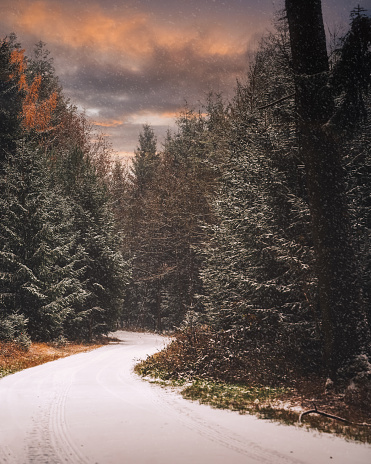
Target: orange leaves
(36, 114)
(18, 61)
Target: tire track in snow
(62, 442)
(38, 439)
(48, 440)
(6, 455)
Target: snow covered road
(91, 408)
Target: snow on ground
(91, 408)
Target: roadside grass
(14, 358)
(280, 404)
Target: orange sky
(131, 62)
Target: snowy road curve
(91, 408)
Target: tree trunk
(158, 307)
(343, 319)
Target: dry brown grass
(13, 358)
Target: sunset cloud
(136, 35)
(108, 123)
(137, 61)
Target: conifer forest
(246, 232)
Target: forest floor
(301, 400)
(14, 358)
(284, 403)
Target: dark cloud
(160, 85)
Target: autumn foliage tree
(36, 113)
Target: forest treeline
(221, 233)
(62, 274)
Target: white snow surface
(91, 408)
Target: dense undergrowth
(207, 368)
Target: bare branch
(331, 416)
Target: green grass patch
(240, 398)
(269, 403)
(7, 371)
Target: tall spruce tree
(40, 276)
(164, 224)
(10, 101)
(146, 159)
(258, 263)
(105, 273)
(62, 274)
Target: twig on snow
(330, 416)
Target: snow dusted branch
(277, 101)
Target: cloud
(121, 62)
(111, 123)
(129, 32)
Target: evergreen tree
(146, 159)
(119, 191)
(258, 264)
(40, 278)
(105, 273)
(350, 78)
(61, 269)
(139, 231)
(10, 101)
(164, 224)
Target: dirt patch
(14, 358)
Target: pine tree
(146, 159)
(105, 274)
(119, 192)
(350, 78)
(10, 101)
(139, 232)
(351, 81)
(258, 263)
(164, 224)
(62, 273)
(40, 278)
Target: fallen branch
(331, 416)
